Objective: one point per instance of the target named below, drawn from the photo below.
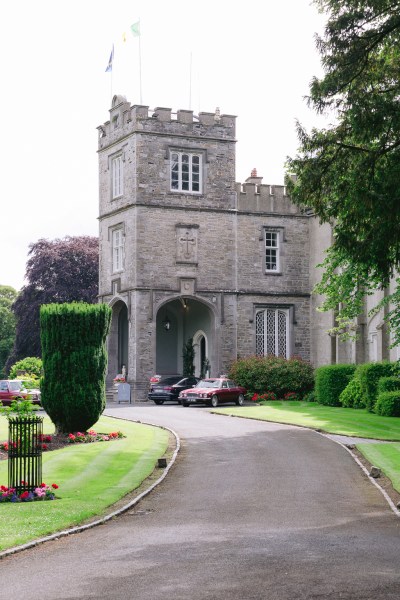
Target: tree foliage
(188, 358)
(57, 271)
(74, 363)
(8, 296)
(32, 365)
(348, 173)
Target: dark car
(14, 390)
(214, 391)
(169, 388)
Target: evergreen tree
(188, 358)
(348, 173)
(74, 363)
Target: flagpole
(111, 86)
(140, 66)
(190, 82)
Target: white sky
(254, 60)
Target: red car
(212, 392)
(14, 390)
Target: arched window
(272, 332)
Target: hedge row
(330, 381)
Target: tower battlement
(126, 119)
(253, 195)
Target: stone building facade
(185, 251)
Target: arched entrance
(118, 340)
(177, 321)
(201, 353)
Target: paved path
(251, 511)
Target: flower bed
(92, 436)
(43, 492)
(54, 442)
(270, 396)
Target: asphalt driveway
(251, 510)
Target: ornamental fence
(25, 435)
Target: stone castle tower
(186, 252)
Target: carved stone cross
(187, 242)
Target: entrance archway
(176, 322)
(118, 340)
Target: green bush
(388, 384)
(31, 364)
(330, 381)
(74, 360)
(352, 397)
(310, 397)
(388, 404)
(369, 375)
(259, 374)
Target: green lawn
(343, 421)
(91, 478)
(386, 457)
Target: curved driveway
(251, 510)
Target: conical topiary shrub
(74, 357)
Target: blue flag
(110, 62)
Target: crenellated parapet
(126, 119)
(255, 196)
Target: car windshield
(209, 383)
(15, 386)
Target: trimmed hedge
(369, 375)
(388, 404)
(259, 374)
(74, 361)
(330, 381)
(388, 384)
(352, 397)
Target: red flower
(24, 495)
(42, 485)
(54, 486)
(44, 446)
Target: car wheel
(185, 404)
(214, 401)
(240, 400)
(159, 401)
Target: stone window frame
(280, 231)
(289, 311)
(117, 261)
(191, 152)
(117, 172)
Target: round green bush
(388, 404)
(352, 396)
(273, 373)
(31, 364)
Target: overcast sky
(254, 60)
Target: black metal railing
(25, 435)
